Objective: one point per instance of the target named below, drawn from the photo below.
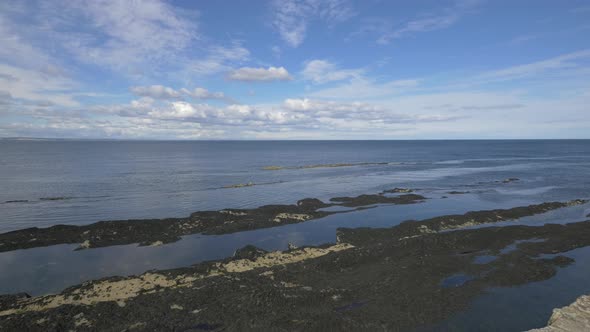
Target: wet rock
(249, 252)
(381, 283)
(276, 168)
(411, 228)
(147, 232)
(364, 200)
(455, 192)
(508, 180)
(58, 198)
(397, 190)
(9, 299)
(18, 201)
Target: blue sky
(310, 69)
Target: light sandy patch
(280, 257)
(291, 216)
(121, 290)
(85, 245)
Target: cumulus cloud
(322, 71)
(260, 74)
(202, 93)
(291, 17)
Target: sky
(286, 69)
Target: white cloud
(37, 86)
(291, 17)
(260, 74)
(459, 115)
(123, 32)
(322, 71)
(202, 93)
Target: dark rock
(54, 198)
(397, 190)
(401, 277)
(364, 200)
(249, 252)
(9, 299)
(150, 231)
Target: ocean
(44, 183)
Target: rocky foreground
(575, 317)
(395, 279)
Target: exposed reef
(398, 190)
(277, 168)
(364, 200)
(248, 184)
(161, 231)
(371, 279)
(57, 198)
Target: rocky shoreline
(160, 231)
(575, 317)
(371, 279)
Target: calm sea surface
(109, 180)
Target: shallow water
(524, 307)
(122, 180)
